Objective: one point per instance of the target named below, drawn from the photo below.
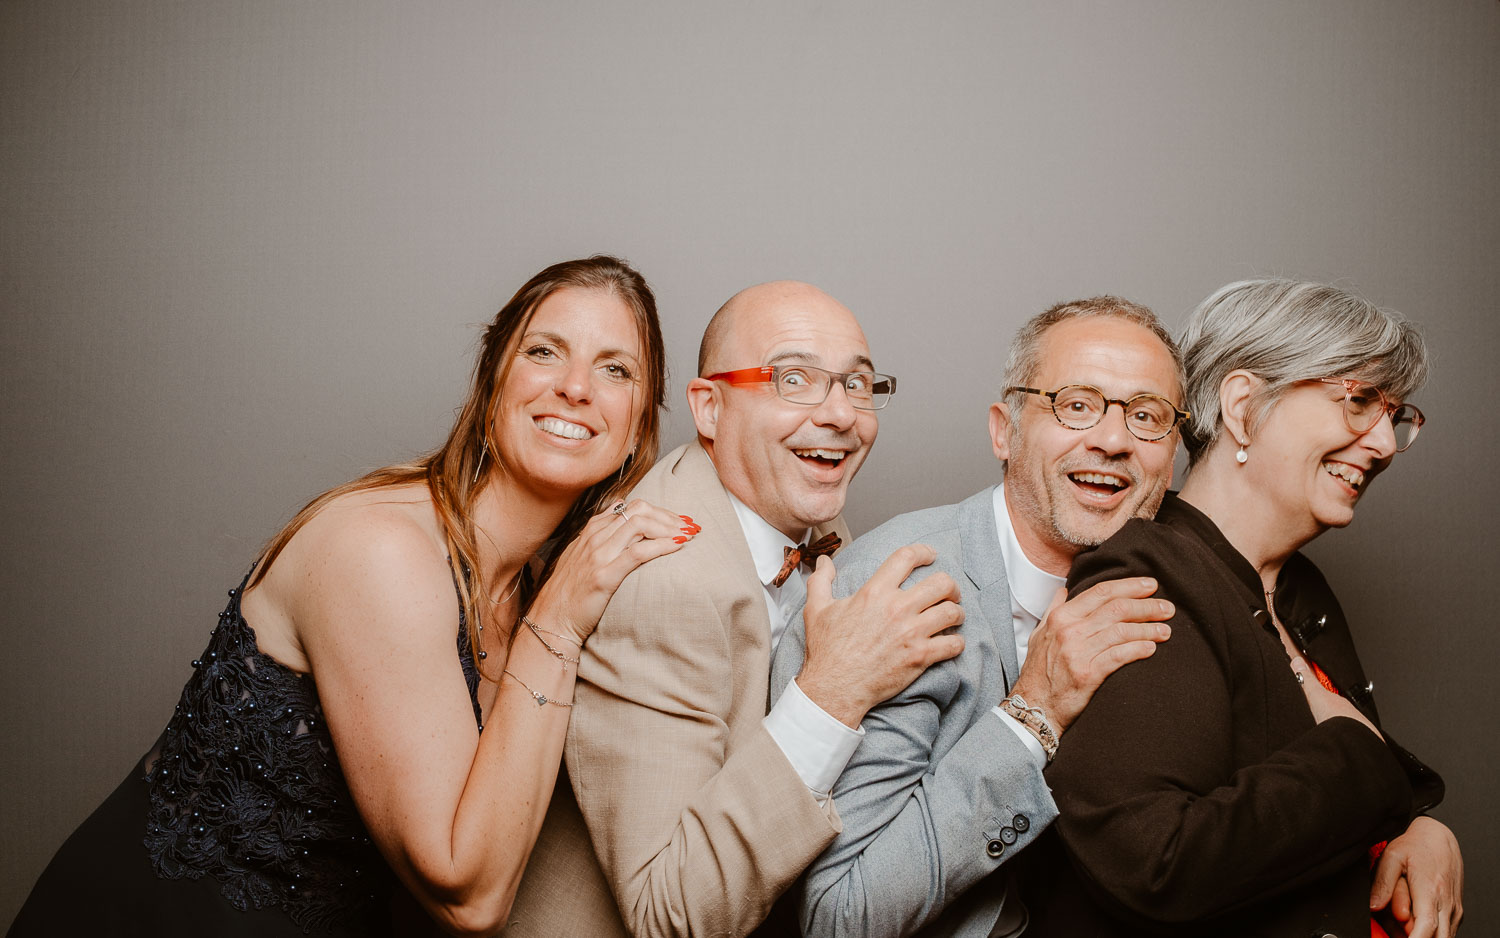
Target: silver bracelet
(533, 625)
(541, 699)
(535, 630)
(1034, 720)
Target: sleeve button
(1008, 835)
(1021, 823)
(994, 848)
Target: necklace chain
(1271, 604)
(515, 584)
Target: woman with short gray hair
(1237, 782)
(1282, 331)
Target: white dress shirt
(817, 745)
(1031, 592)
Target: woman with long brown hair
(373, 698)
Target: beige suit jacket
(696, 818)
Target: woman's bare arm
(455, 811)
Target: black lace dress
(238, 822)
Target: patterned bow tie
(808, 554)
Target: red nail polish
(688, 519)
(679, 540)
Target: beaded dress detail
(244, 784)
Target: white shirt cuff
(1033, 745)
(817, 745)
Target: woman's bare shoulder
(362, 555)
(372, 526)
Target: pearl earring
(1241, 457)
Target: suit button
(1021, 823)
(1008, 835)
(994, 848)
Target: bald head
(753, 309)
(789, 461)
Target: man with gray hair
(947, 785)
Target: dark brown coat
(1197, 795)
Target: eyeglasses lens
(1148, 417)
(1078, 407)
(808, 385)
(1363, 406)
(1406, 421)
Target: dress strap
(239, 591)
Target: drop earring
(1242, 457)
(484, 447)
(629, 458)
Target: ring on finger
(619, 509)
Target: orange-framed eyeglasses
(808, 384)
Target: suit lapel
(730, 550)
(749, 624)
(984, 565)
(793, 645)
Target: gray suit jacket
(940, 793)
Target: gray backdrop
(246, 247)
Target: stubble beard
(1061, 502)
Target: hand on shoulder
(1083, 640)
(590, 568)
(867, 647)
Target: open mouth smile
(1351, 476)
(827, 458)
(1100, 485)
(563, 428)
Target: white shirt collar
(1031, 588)
(767, 544)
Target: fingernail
(1148, 583)
(679, 540)
(687, 518)
(688, 531)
